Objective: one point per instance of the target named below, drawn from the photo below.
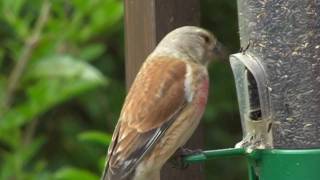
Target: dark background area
(62, 87)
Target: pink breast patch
(202, 94)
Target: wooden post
(146, 22)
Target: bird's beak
(220, 52)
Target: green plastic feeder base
(276, 164)
(271, 164)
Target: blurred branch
(31, 43)
(29, 132)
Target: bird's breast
(201, 92)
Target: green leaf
(64, 67)
(2, 89)
(102, 18)
(95, 137)
(12, 11)
(55, 80)
(69, 173)
(13, 6)
(14, 163)
(92, 51)
(30, 150)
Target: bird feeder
(277, 76)
(278, 83)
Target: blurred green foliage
(62, 87)
(57, 65)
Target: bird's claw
(178, 159)
(178, 162)
(188, 152)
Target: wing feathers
(165, 77)
(154, 101)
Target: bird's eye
(205, 38)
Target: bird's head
(189, 43)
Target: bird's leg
(177, 158)
(188, 152)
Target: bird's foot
(178, 162)
(177, 159)
(189, 152)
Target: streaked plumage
(163, 106)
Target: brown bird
(164, 105)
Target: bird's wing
(155, 99)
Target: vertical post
(146, 22)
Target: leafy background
(62, 87)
